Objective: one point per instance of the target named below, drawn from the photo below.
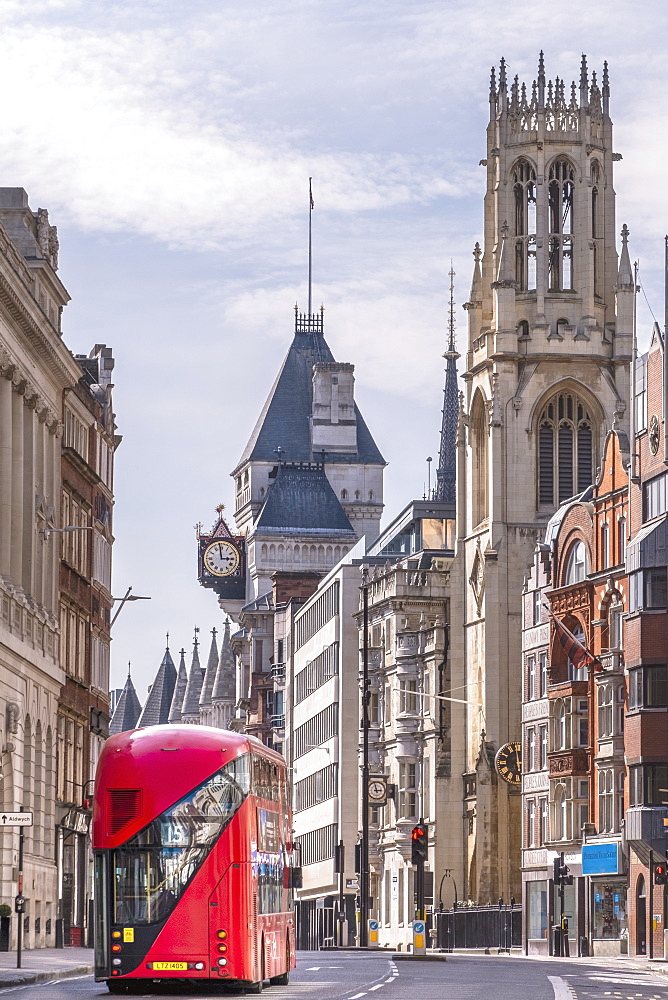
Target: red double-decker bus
(192, 837)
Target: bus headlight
(199, 966)
(222, 961)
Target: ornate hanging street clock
(221, 557)
(509, 763)
(222, 562)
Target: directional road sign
(15, 819)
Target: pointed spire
(541, 79)
(505, 274)
(179, 690)
(476, 283)
(584, 83)
(210, 672)
(159, 700)
(502, 76)
(625, 274)
(224, 688)
(492, 84)
(127, 710)
(190, 710)
(446, 475)
(606, 89)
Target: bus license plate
(170, 966)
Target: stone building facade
(43, 676)
(547, 372)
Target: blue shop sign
(601, 859)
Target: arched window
(344, 494)
(576, 567)
(524, 190)
(565, 438)
(615, 622)
(562, 324)
(605, 545)
(523, 330)
(560, 223)
(479, 433)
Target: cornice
(22, 385)
(47, 344)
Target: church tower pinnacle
(547, 373)
(446, 474)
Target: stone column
(28, 571)
(5, 476)
(52, 490)
(16, 561)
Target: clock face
(377, 790)
(221, 558)
(509, 763)
(654, 435)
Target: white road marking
(648, 981)
(357, 996)
(562, 990)
(377, 987)
(316, 968)
(390, 979)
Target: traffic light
(419, 839)
(660, 874)
(561, 872)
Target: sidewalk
(44, 963)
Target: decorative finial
(541, 69)
(220, 508)
(278, 451)
(451, 315)
(214, 631)
(584, 82)
(167, 644)
(625, 234)
(477, 253)
(505, 229)
(593, 80)
(196, 640)
(128, 668)
(606, 78)
(502, 75)
(492, 83)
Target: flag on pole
(310, 194)
(575, 650)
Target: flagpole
(310, 259)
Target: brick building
(85, 539)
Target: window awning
(649, 547)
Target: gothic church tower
(547, 373)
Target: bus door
(232, 925)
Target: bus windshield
(152, 870)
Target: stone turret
(179, 690)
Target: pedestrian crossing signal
(659, 874)
(419, 844)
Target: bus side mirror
(296, 881)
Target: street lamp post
(364, 853)
(129, 596)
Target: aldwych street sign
(16, 819)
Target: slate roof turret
(210, 673)
(159, 700)
(190, 709)
(179, 690)
(127, 710)
(301, 499)
(285, 419)
(224, 688)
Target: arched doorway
(641, 917)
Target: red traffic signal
(659, 874)
(419, 844)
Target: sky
(172, 142)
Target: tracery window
(560, 224)
(524, 189)
(596, 229)
(565, 436)
(479, 434)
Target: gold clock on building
(509, 763)
(221, 558)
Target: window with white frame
(560, 813)
(407, 790)
(531, 749)
(560, 725)
(543, 747)
(605, 712)
(543, 814)
(531, 823)
(531, 677)
(605, 545)
(606, 800)
(75, 434)
(615, 624)
(542, 664)
(576, 567)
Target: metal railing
(494, 928)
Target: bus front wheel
(116, 986)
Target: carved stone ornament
(654, 435)
(477, 578)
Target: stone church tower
(547, 374)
